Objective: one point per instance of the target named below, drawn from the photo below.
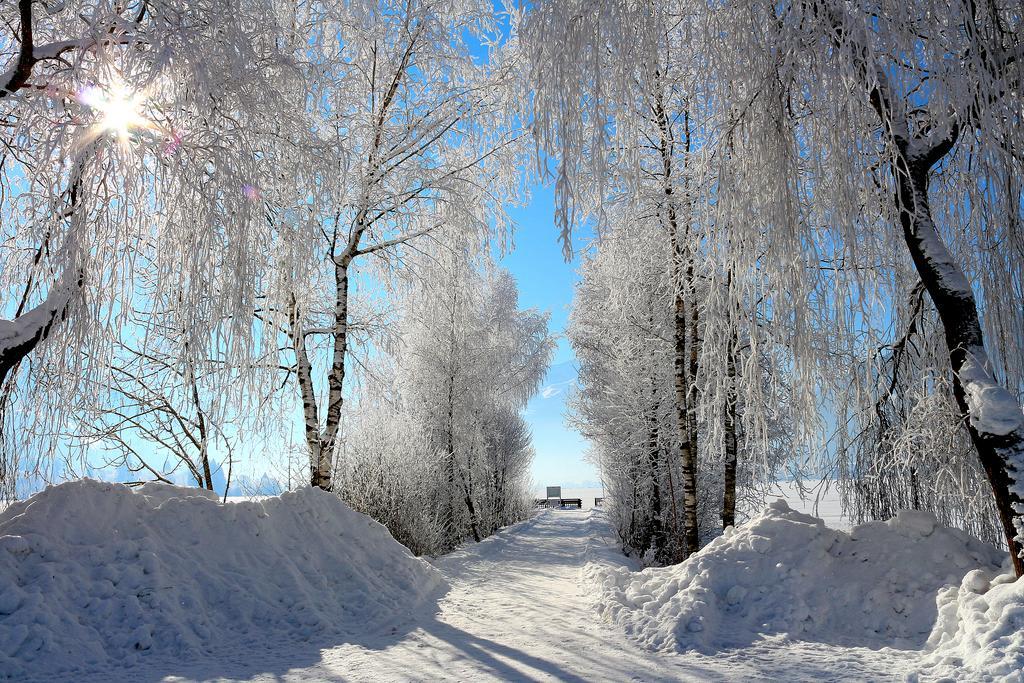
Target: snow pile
(785, 572)
(980, 630)
(92, 574)
(601, 551)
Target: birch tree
(168, 408)
(124, 124)
(623, 331)
(656, 160)
(932, 131)
(424, 142)
(451, 391)
(470, 354)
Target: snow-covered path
(515, 610)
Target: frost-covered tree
(386, 469)
(929, 145)
(126, 126)
(156, 420)
(855, 146)
(654, 164)
(470, 355)
(465, 365)
(908, 448)
(423, 141)
(622, 330)
(164, 411)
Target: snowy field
(189, 589)
(812, 497)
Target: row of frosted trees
(439, 450)
(736, 432)
(810, 241)
(234, 227)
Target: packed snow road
(515, 610)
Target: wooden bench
(567, 502)
(598, 501)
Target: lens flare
(119, 109)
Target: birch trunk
(681, 365)
(693, 344)
(310, 411)
(336, 378)
(204, 441)
(450, 463)
(467, 487)
(731, 456)
(654, 467)
(991, 414)
(681, 384)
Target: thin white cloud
(550, 391)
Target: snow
(980, 630)
(816, 497)
(96, 575)
(993, 409)
(786, 572)
(517, 610)
(884, 586)
(34, 322)
(783, 597)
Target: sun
(119, 109)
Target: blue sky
(546, 282)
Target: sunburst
(119, 110)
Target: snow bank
(93, 574)
(785, 572)
(601, 551)
(980, 630)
